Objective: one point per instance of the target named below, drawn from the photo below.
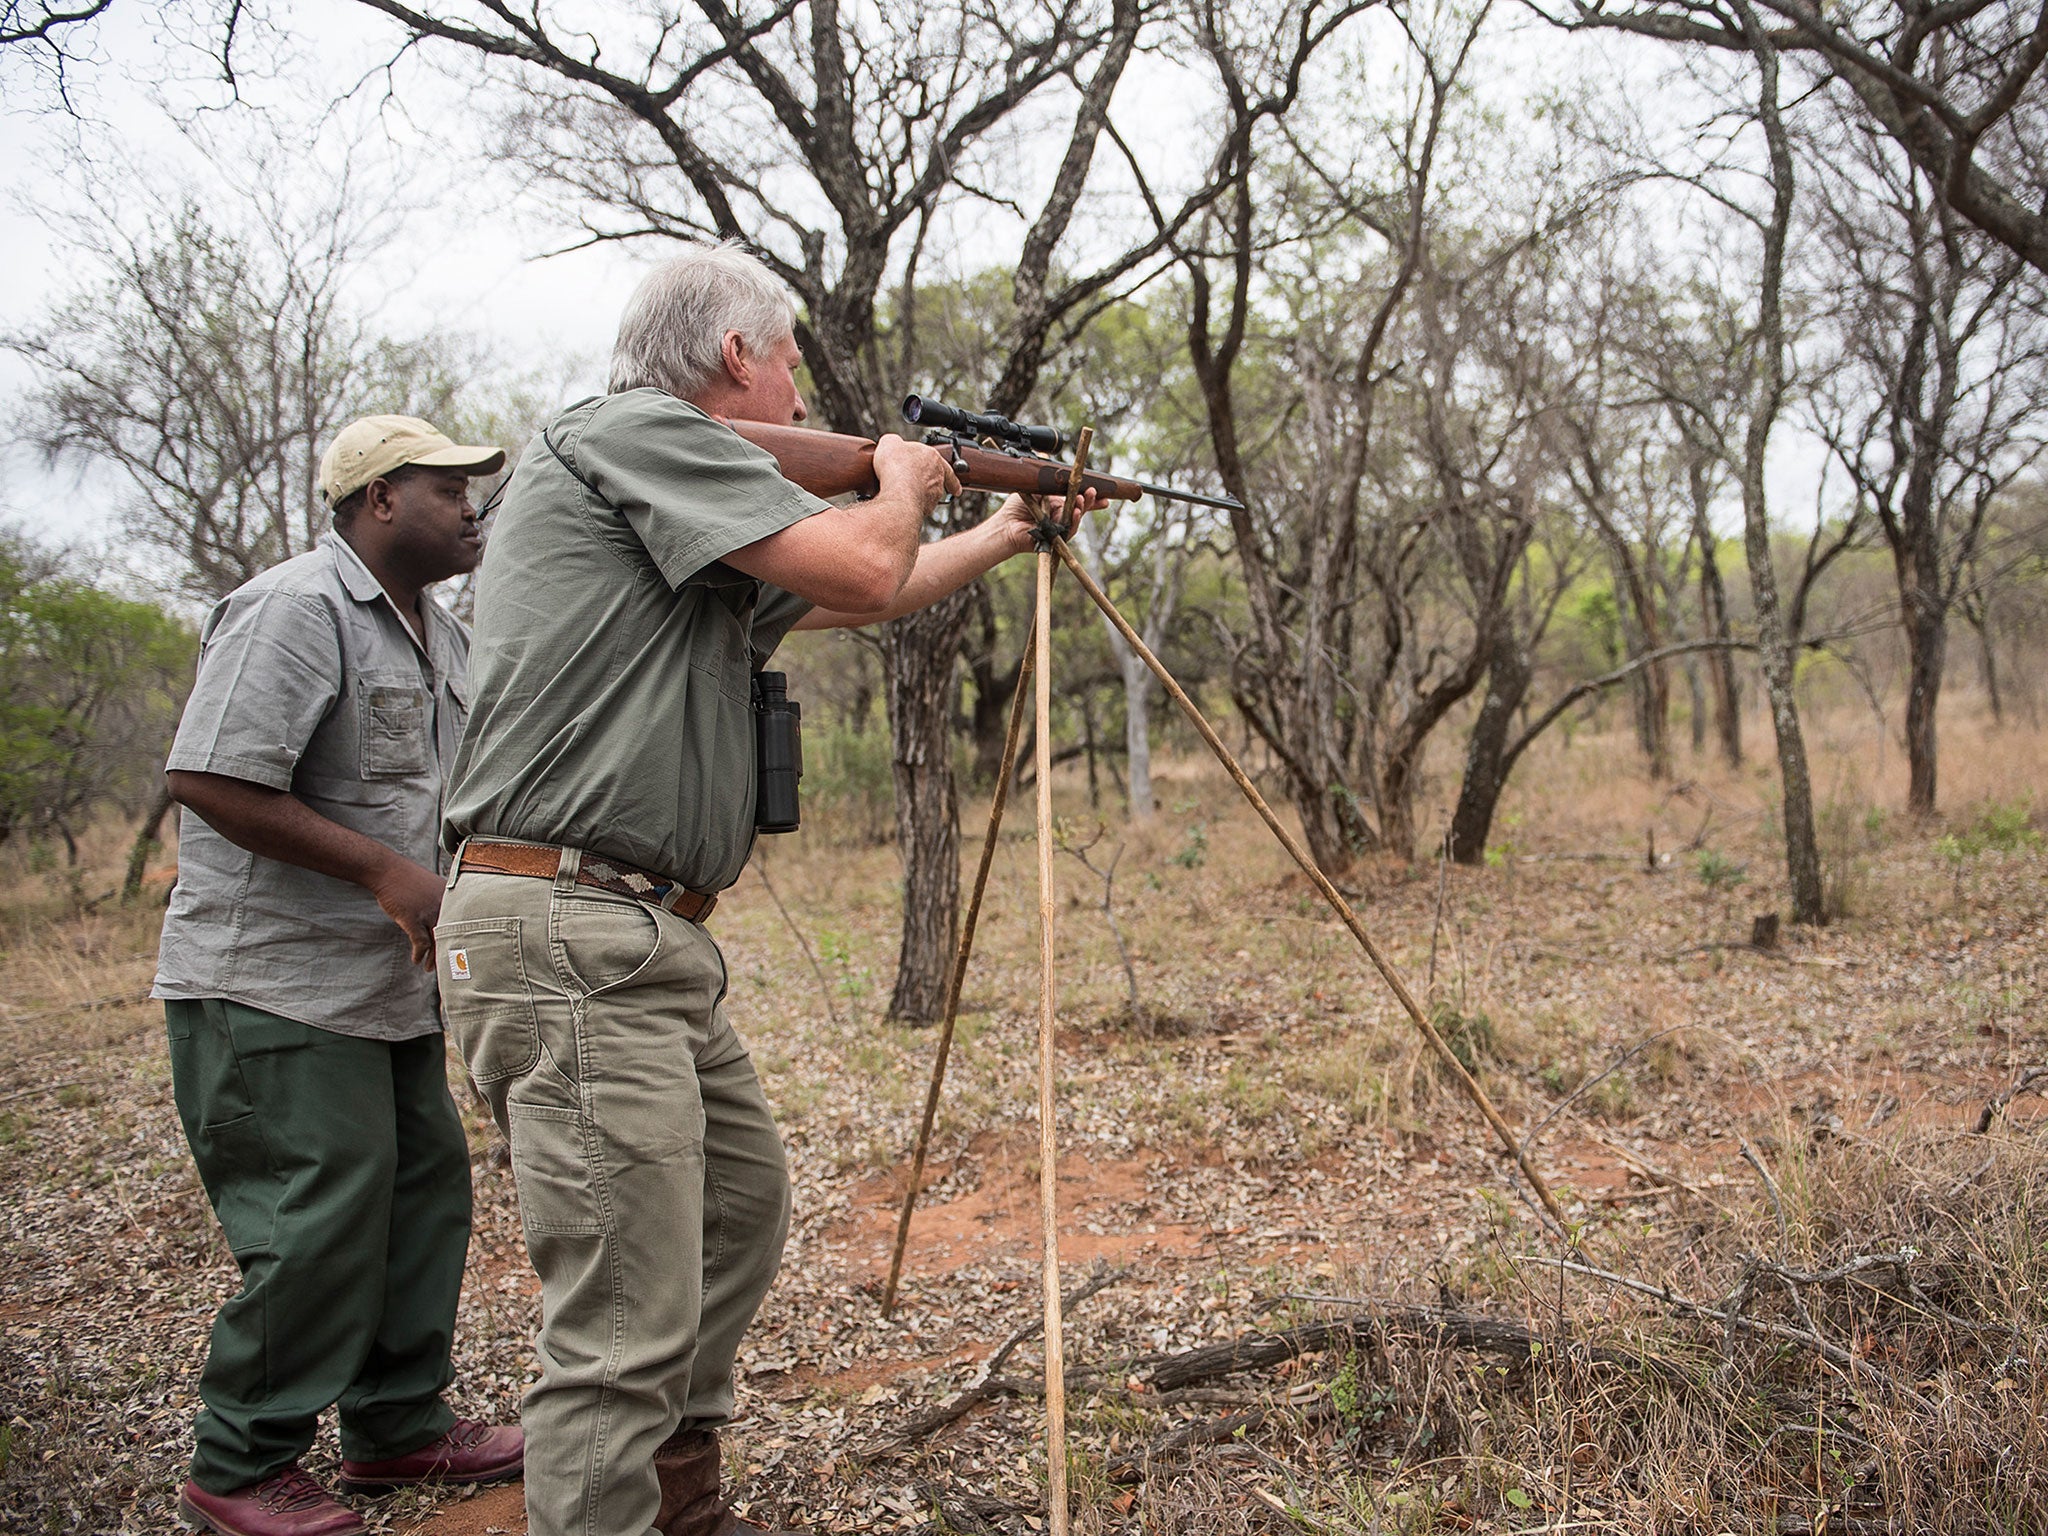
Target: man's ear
(378, 497)
(739, 363)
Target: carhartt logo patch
(458, 964)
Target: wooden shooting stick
(960, 954)
(1048, 1154)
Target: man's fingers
(1072, 509)
(894, 454)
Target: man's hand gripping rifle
(989, 453)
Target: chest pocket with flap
(393, 723)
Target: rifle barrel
(1227, 503)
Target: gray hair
(676, 322)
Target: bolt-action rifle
(989, 453)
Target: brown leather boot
(687, 1465)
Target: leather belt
(542, 862)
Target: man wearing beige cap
(296, 973)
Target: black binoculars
(778, 754)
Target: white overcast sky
(469, 261)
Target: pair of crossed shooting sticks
(1038, 660)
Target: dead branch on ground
(1436, 1325)
(988, 1385)
(1992, 1110)
(1732, 1316)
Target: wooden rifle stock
(832, 464)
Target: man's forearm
(941, 568)
(278, 825)
(855, 559)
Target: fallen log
(1166, 1378)
(1438, 1326)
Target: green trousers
(652, 1183)
(340, 1174)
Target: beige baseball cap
(376, 445)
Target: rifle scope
(948, 418)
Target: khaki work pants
(652, 1183)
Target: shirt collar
(362, 584)
(364, 587)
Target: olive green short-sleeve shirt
(613, 653)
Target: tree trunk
(1088, 750)
(1927, 652)
(1923, 611)
(1657, 713)
(148, 838)
(1138, 732)
(1802, 846)
(994, 687)
(1696, 701)
(1487, 759)
(1987, 659)
(1331, 825)
(1652, 685)
(1722, 679)
(917, 665)
(1398, 773)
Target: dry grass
(1938, 1427)
(1268, 1130)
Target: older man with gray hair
(646, 563)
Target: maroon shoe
(289, 1504)
(471, 1452)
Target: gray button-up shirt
(310, 681)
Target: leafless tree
(1704, 469)
(1292, 422)
(206, 367)
(1499, 376)
(1729, 395)
(1939, 397)
(1619, 464)
(1775, 637)
(40, 39)
(841, 143)
(1956, 86)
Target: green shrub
(1996, 829)
(1469, 1035)
(1717, 870)
(849, 785)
